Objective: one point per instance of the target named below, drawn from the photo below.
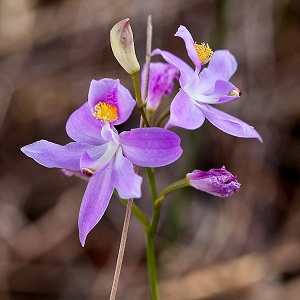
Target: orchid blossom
(200, 89)
(103, 155)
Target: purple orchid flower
(161, 82)
(100, 153)
(218, 182)
(192, 104)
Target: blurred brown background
(245, 247)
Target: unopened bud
(122, 44)
(218, 182)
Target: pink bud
(218, 182)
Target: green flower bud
(122, 45)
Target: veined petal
(101, 90)
(220, 93)
(124, 179)
(228, 123)
(161, 82)
(150, 147)
(184, 113)
(52, 155)
(113, 93)
(189, 44)
(223, 64)
(185, 70)
(82, 126)
(221, 67)
(94, 203)
(223, 90)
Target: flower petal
(219, 94)
(52, 155)
(124, 179)
(221, 67)
(223, 64)
(189, 44)
(228, 123)
(185, 70)
(94, 203)
(110, 134)
(222, 91)
(150, 147)
(112, 92)
(82, 126)
(161, 82)
(184, 112)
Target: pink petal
(228, 123)
(150, 147)
(82, 126)
(185, 70)
(184, 113)
(52, 155)
(112, 92)
(221, 67)
(189, 44)
(161, 82)
(94, 203)
(124, 179)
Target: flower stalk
(137, 90)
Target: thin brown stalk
(148, 54)
(114, 288)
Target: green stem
(151, 178)
(169, 189)
(162, 116)
(150, 116)
(138, 96)
(150, 238)
(151, 264)
(150, 234)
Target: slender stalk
(151, 178)
(148, 54)
(137, 89)
(114, 288)
(169, 189)
(162, 116)
(150, 235)
(150, 238)
(151, 264)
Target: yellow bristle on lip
(204, 52)
(106, 112)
